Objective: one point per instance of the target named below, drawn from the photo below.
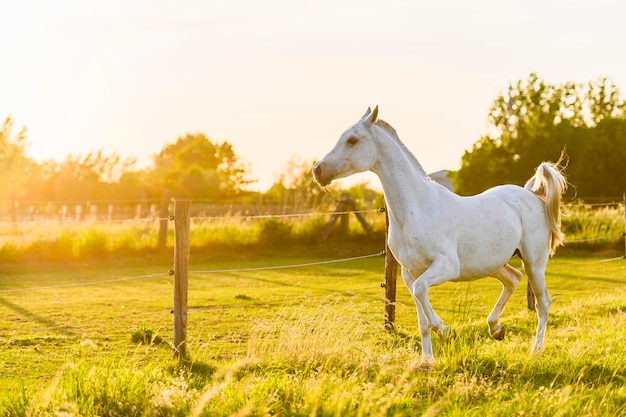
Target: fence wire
(82, 284)
(588, 262)
(81, 222)
(285, 300)
(268, 268)
(292, 215)
(169, 273)
(593, 239)
(192, 218)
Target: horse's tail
(550, 184)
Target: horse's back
(527, 208)
(504, 208)
(519, 199)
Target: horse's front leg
(422, 321)
(441, 270)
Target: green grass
(25, 243)
(305, 341)
(587, 228)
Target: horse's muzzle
(319, 177)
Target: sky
(283, 79)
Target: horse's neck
(405, 183)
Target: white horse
(438, 236)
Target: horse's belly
(483, 257)
(475, 255)
(408, 255)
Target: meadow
(89, 333)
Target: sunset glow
(278, 79)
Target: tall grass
(112, 388)
(62, 242)
(584, 226)
(587, 222)
(28, 242)
(326, 355)
(333, 362)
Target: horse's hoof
(422, 366)
(499, 334)
(446, 332)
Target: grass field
(302, 341)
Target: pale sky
(279, 79)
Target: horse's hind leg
(509, 277)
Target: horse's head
(354, 152)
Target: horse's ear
(370, 118)
(367, 113)
(374, 115)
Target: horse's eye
(352, 141)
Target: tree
(195, 167)
(15, 166)
(192, 167)
(90, 177)
(533, 121)
(295, 186)
(597, 160)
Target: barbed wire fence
(182, 250)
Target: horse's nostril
(317, 171)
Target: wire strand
(273, 216)
(280, 301)
(151, 219)
(82, 284)
(599, 261)
(592, 239)
(76, 222)
(268, 268)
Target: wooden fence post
(391, 274)
(164, 217)
(181, 270)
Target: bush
(275, 233)
(145, 336)
(591, 228)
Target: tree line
(533, 121)
(529, 122)
(193, 167)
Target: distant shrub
(275, 232)
(585, 222)
(145, 336)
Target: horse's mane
(394, 135)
